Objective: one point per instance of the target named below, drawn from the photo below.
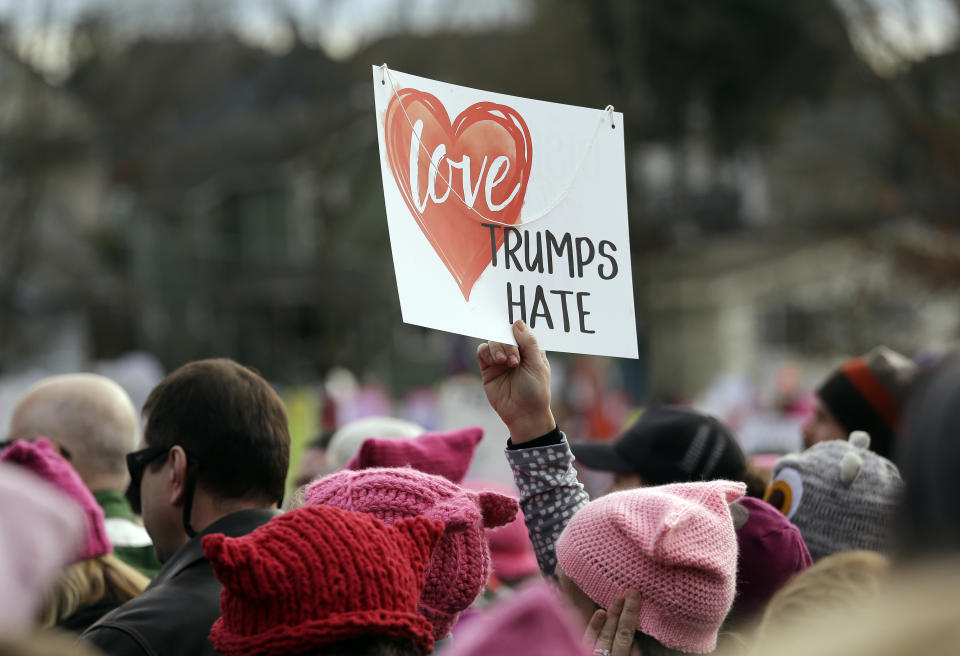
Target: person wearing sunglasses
(214, 459)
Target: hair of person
(840, 581)
(928, 519)
(87, 582)
(230, 419)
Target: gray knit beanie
(839, 494)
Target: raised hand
(516, 380)
(610, 632)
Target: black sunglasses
(136, 463)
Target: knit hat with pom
(43, 460)
(460, 567)
(443, 454)
(841, 495)
(675, 544)
(867, 394)
(316, 576)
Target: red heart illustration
(482, 168)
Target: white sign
(503, 208)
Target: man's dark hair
(228, 418)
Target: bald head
(90, 416)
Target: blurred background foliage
(197, 178)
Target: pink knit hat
(511, 552)
(532, 622)
(40, 530)
(460, 566)
(674, 543)
(443, 454)
(43, 460)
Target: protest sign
(503, 208)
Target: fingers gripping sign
(516, 380)
(611, 632)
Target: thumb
(526, 342)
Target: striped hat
(867, 393)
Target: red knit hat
(317, 576)
(442, 454)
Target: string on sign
(607, 113)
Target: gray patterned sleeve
(550, 494)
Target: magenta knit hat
(674, 543)
(511, 552)
(443, 454)
(771, 552)
(534, 622)
(43, 460)
(460, 567)
(40, 531)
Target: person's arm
(516, 380)
(550, 493)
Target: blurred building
(815, 300)
(53, 185)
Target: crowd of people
(178, 538)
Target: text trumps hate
(539, 250)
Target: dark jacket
(86, 615)
(174, 614)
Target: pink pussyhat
(443, 454)
(533, 622)
(675, 544)
(460, 566)
(43, 460)
(40, 531)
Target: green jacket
(131, 543)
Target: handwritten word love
(499, 169)
(493, 135)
